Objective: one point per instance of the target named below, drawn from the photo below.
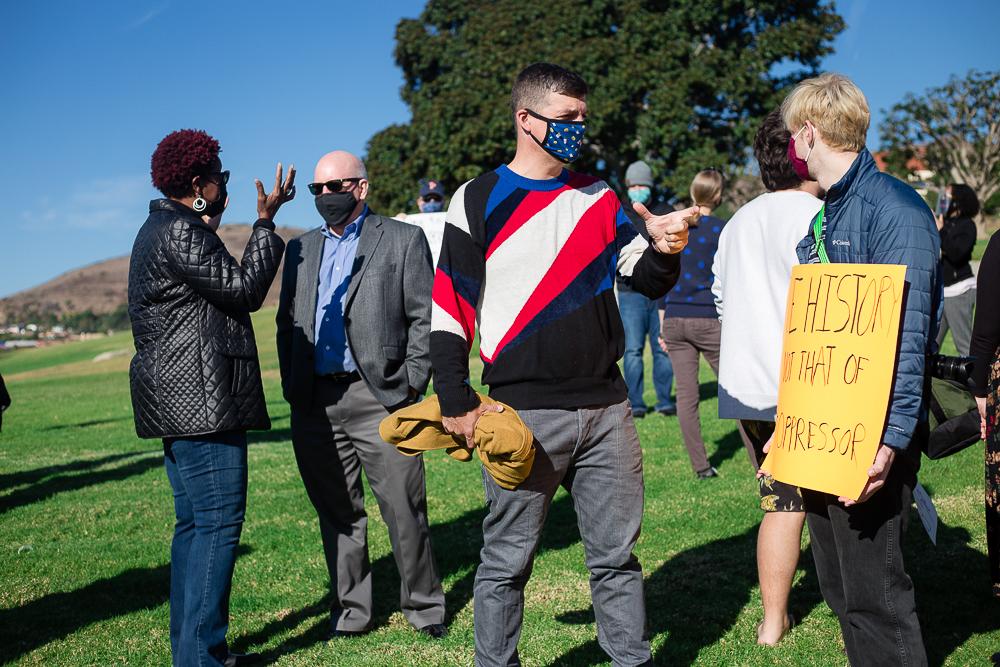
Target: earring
(199, 204)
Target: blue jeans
(640, 319)
(208, 474)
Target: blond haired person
(690, 325)
(869, 218)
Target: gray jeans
(958, 317)
(595, 454)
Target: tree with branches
(682, 85)
(955, 129)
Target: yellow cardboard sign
(841, 338)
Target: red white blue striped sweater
(532, 263)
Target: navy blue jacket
(692, 295)
(873, 218)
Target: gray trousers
(958, 317)
(334, 439)
(686, 339)
(595, 454)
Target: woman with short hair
(195, 378)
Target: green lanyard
(818, 235)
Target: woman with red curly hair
(195, 378)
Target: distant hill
(103, 286)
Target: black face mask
(219, 205)
(336, 207)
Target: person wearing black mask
(353, 330)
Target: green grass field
(87, 519)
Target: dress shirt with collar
(333, 354)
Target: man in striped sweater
(530, 254)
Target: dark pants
(859, 562)
(641, 322)
(595, 455)
(333, 440)
(686, 339)
(208, 474)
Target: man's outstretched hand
(668, 232)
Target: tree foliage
(681, 84)
(955, 129)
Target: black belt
(341, 378)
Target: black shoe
(240, 659)
(347, 634)
(638, 413)
(668, 412)
(434, 630)
(708, 473)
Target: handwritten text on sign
(839, 353)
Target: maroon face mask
(801, 166)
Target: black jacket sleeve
(986, 327)
(285, 317)
(655, 274)
(200, 259)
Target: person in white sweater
(752, 270)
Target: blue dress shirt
(333, 354)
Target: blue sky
(91, 87)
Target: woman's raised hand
(268, 205)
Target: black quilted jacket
(195, 370)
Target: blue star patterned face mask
(562, 138)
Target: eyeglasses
(433, 198)
(219, 176)
(336, 185)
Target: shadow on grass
(696, 597)
(456, 551)
(92, 422)
(726, 448)
(58, 615)
(70, 482)
(708, 390)
(13, 479)
(318, 631)
(698, 594)
(953, 589)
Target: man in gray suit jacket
(353, 329)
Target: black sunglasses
(433, 198)
(217, 176)
(336, 185)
